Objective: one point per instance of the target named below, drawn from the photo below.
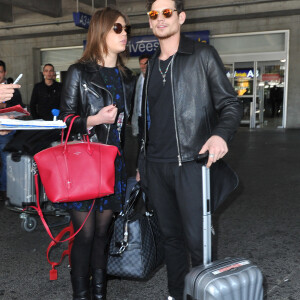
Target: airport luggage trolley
(21, 193)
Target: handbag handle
(69, 131)
(63, 130)
(40, 213)
(133, 198)
(125, 214)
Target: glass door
(271, 91)
(245, 85)
(229, 69)
(261, 86)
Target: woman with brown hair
(98, 88)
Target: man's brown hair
(179, 5)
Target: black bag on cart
(226, 279)
(31, 142)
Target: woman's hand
(106, 115)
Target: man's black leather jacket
(204, 100)
(84, 93)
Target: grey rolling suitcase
(226, 279)
(20, 182)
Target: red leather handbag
(73, 172)
(77, 171)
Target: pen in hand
(18, 78)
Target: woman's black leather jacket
(204, 100)
(84, 93)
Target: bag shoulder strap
(67, 252)
(40, 213)
(57, 239)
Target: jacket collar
(91, 67)
(186, 46)
(95, 76)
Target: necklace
(164, 74)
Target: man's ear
(150, 23)
(182, 17)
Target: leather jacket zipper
(95, 94)
(86, 88)
(112, 101)
(174, 112)
(101, 87)
(145, 118)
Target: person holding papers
(5, 135)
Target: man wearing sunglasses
(189, 107)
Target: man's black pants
(176, 194)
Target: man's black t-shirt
(162, 146)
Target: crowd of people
(182, 104)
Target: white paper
(12, 124)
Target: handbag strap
(67, 252)
(133, 198)
(125, 214)
(86, 138)
(40, 213)
(69, 129)
(63, 130)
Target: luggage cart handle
(202, 158)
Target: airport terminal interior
(258, 42)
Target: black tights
(90, 243)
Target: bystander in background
(45, 95)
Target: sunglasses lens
(167, 13)
(117, 28)
(153, 14)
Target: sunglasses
(118, 28)
(167, 13)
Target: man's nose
(160, 16)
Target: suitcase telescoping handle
(202, 159)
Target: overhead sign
(147, 44)
(245, 73)
(82, 19)
(270, 77)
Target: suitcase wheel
(29, 224)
